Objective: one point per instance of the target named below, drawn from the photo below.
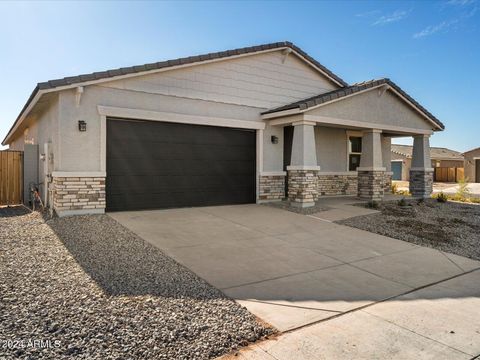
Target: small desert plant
(403, 192)
(420, 201)
(402, 202)
(372, 204)
(441, 197)
(394, 188)
(463, 191)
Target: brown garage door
(155, 165)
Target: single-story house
(440, 157)
(241, 126)
(472, 165)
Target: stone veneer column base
(302, 187)
(78, 195)
(371, 184)
(388, 183)
(271, 187)
(421, 183)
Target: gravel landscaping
(452, 227)
(88, 288)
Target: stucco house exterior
(440, 157)
(240, 126)
(472, 165)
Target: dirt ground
(452, 227)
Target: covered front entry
(154, 165)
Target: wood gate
(445, 174)
(11, 177)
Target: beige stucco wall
(469, 164)
(39, 128)
(331, 145)
(369, 107)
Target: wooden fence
(446, 174)
(11, 177)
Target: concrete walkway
(437, 322)
(291, 270)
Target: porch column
(371, 172)
(387, 163)
(303, 169)
(421, 171)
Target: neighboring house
(472, 165)
(440, 157)
(239, 126)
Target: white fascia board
(140, 114)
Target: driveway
(291, 270)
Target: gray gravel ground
(452, 227)
(97, 291)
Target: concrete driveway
(291, 270)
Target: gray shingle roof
(345, 91)
(71, 80)
(435, 152)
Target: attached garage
(155, 165)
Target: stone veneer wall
(271, 187)
(331, 185)
(78, 193)
(371, 184)
(421, 183)
(387, 183)
(302, 187)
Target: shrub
(441, 197)
(463, 192)
(420, 201)
(372, 204)
(394, 188)
(402, 202)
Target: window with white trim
(354, 152)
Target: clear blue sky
(431, 49)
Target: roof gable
(262, 80)
(357, 89)
(109, 75)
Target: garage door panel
(161, 165)
(176, 151)
(140, 184)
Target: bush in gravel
(394, 188)
(463, 192)
(372, 204)
(441, 197)
(402, 202)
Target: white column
(421, 153)
(371, 159)
(304, 153)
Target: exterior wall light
(274, 139)
(82, 125)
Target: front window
(354, 152)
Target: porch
(340, 144)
